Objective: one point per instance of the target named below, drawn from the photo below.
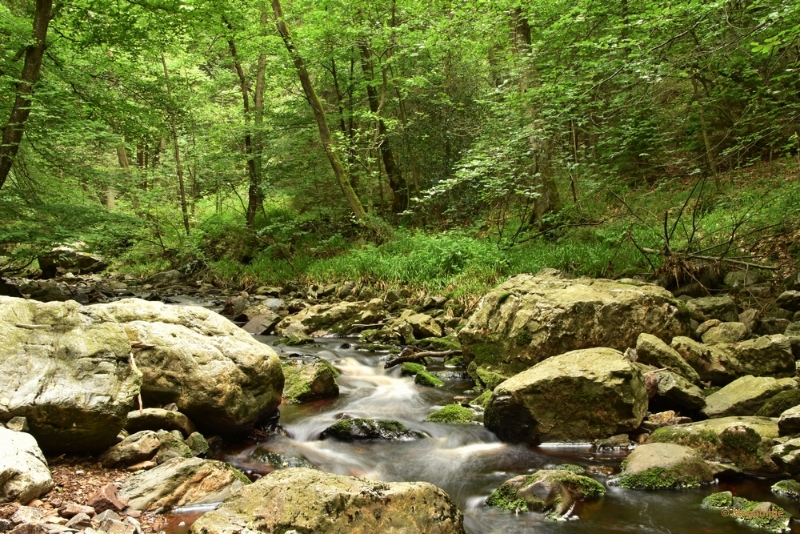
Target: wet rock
(745, 396)
(295, 340)
(309, 381)
(452, 414)
(620, 441)
(664, 466)
(421, 376)
(133, 449)
(180, 482)
(552, 492)
(306, 500)
(216, 374)
(781, 402)
(68, 374)
(726, 333)
(262, 324)
(722, 308)
(70, 259)
(787, 488)
(789, 421)
(530, 318)
(651, 350)
(368, 429)
(745, 441)
(277, 460)
(166, 278)
(158, 419)
(583, 394)
(24, 474)
(106, 498)
(336, 318)
(761, 515)
(724, 362)
(789, 300)
(786, 455)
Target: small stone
(106, 499)
(18, 424)
(29, 528)
(108, 514)
(80, 521)
(27, 514)
(111, 526)
(72, 509)
(142, 466)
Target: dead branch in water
(408, 355)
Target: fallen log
(408, 355)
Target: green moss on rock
(762, 515)
(660, 478)
(424, 378)
(451, 414)
(787, 488)
(411, 368)
(781, 402)
(483, 399)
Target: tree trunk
(12, 133)
(178, 167)
(393, 172)
(319, 114)
(253, 170)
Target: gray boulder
(581, 395)
(530, 318)
(158, 419)
(307, 500)
(652, 351)
(745, 395)
(664, 466)
(723, 363)
(24, 474)
(722, 308)
(68, 373)
(216, 374)
(789, 422)
(133, 449)
(180, 482)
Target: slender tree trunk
(253, 170)
(178, 167)
(12, 133)
(319, 114)
(393, 172)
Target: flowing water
(467, 461)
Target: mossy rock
(277, 460)
(454, 361)
(378, 347)
(451, 414)
(781, 402)
(482, 400)
(309, 381)
(552, 492)
(787, 488)
(411, 368)
(369, 429)
(295, 340)
(439, 343)
(762, 515)
(423, 378)
(656, 466)
(572, 468)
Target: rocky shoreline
(699, 387)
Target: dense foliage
(162, 131)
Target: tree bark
(12, 133)
(178, 167)
(393, 172)
(319, 114)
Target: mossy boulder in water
(421, 376)
(744, 441)
(306, 500)
(67, 372)
(367, 429)
(581, 395)
(761, 515)
(453, 414)
(309, 381)
(787, 488)
(277, 460)
(552, 492)
(337, 318)
(745, 395)
(664, 466)
(530, 318)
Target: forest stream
(467, 461)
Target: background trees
(181, 129)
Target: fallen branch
(408, 355)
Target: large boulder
(24, 474)
(653, 351)
(67, 372)
(580, 395)
(723, 363)
(664, 466)
(746, 395)
(746, 442)
(216, 373)
(180, 482)
(307, 500)
(530, 318)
